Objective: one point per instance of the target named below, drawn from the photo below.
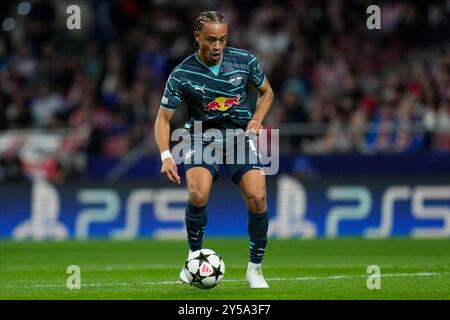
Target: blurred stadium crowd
(339, 86)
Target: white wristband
(165, 155)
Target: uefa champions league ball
(204, 268)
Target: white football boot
(183, 277)
(255, 277)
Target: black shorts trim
(237, 176)
(211, 169)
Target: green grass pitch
(294, 269)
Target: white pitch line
(115, 267)
(306, 278)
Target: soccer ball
(204, 268)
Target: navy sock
(258, 225)
(196, 220)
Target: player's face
(212, 39)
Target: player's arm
(162, 137)
(262, 108)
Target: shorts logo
(235, 80)
(222, 103)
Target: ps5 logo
(293, 205)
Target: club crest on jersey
(223, 104)
(235, 80)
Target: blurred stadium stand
(81, 104)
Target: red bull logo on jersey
(223, 104)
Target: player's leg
(199, 181)
(253, 189)
(250, 178)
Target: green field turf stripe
(306, 278)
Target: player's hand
(253, 127)
(169, 169)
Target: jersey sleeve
(256, 75)
(173, 94)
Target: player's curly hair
(209, 16)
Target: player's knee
(256, 202)
(198, 198)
